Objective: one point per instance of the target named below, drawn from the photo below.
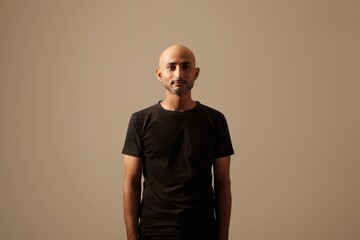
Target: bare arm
(132, 193)
(222, 195)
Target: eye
(186, 67)
(171, 67)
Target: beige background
(285, 73)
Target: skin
(177, 72)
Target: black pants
(178, 237)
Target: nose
(178, 72)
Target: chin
(179, 91)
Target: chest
(192, 135)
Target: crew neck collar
(179, 112)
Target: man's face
(177, 71)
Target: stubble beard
(180, 91)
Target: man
(175, 144)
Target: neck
(178, 103)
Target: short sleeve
(133, 145)
(223, 145)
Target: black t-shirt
(177, 150)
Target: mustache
(178, 81)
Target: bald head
(176, 51)
(177, 70)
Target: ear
(158, 74)
(197, 72)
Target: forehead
(176, 55)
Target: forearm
(132, 192)
(223, 209)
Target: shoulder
(214, 116)
(210, 111)
(145, 112)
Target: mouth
(178, 82)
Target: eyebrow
(182, 63)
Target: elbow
(222, 185)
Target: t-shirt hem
(224, 155)
(132, 154)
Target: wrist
(133, 236)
